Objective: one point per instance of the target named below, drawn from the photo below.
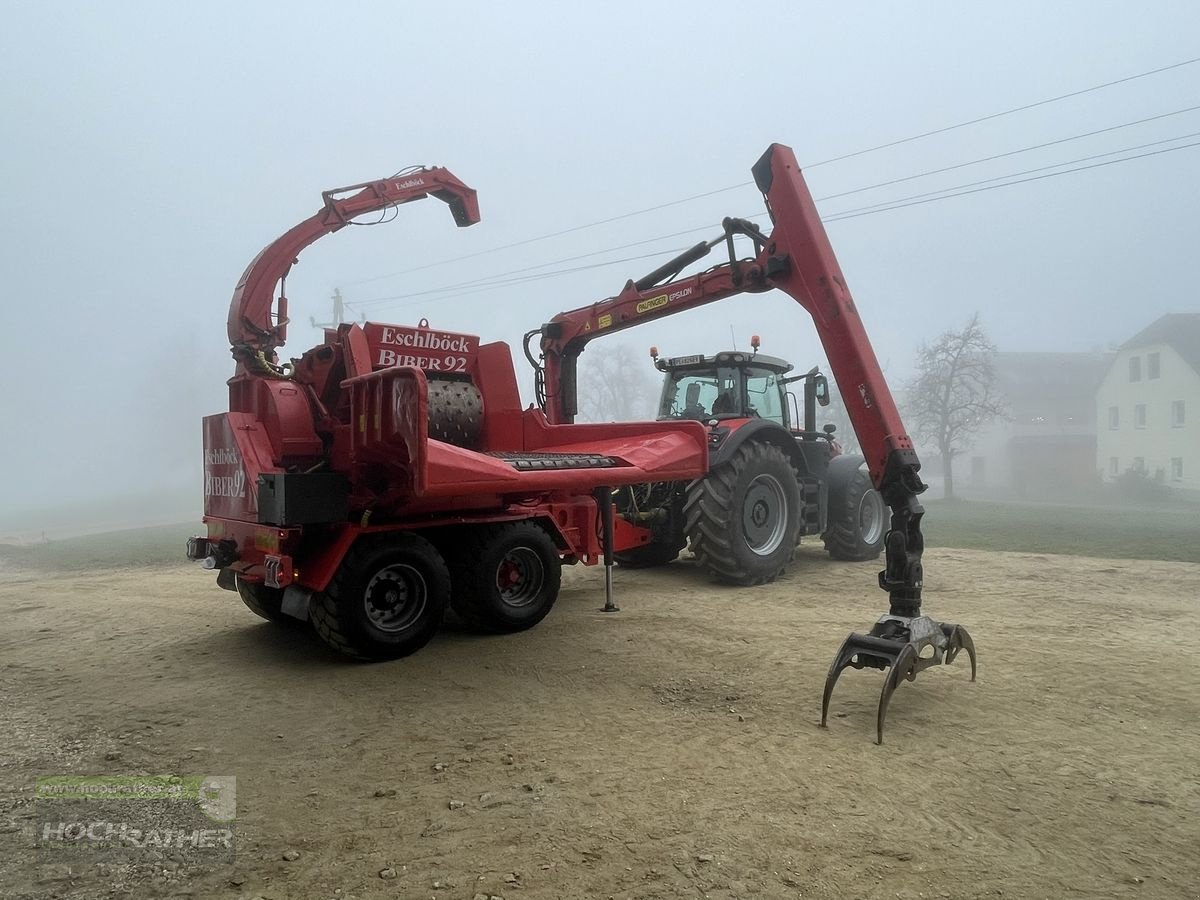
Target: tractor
(771, 479)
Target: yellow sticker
(267, 541)
(604, 321)
(653, 303)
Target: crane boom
(250, 325)
(798, 259)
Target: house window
(1135, 368)
(1114, 465)
(1139, 465)
(1114, 417)
(1177, 416)
(1153, 366)
(1139, 415)
(1177, 468)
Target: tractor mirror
(821, 389)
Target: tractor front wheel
(507, 577)
(858, 517)
(743, 517)
(386, 600)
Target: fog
(153, 149)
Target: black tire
(743, 517)
(506, 577)
(858, 517)
(386, 600)
(267, 602)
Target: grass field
(1167, 533)
(161, 545)
(1120, 532)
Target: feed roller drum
(455, 413)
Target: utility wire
(856, 153)
(854, 214)
(553, 234)
(1006, 112)
(493, 277)
(901, 203)
(975, 162)
(1069, 162)
(542, 265)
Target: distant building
(1047, 444)
(1148, 405)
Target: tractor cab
(735, 384)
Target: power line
(868, 211)
(856, 153)
(554, 262)
(553, 234)
(1007, 112)
(901, 203)
(975, 162)
(888, 203)
(499, 275)
(488, 285)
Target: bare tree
(954, 393)
(615, 385)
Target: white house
(1148, 405)
(1046, 444)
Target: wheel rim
(764, 515)
(395, 598)
(871, 516)
(519, 577)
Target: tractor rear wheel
(507, 577)
(386, 599)
(858, 517)
(743, 517)
(266, 602)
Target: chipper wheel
(743, 517)
(386, 599)
(858, 517)
(267, 602)
(506, 577)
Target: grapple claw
(906, 645)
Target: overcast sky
(152, 149)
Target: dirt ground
(671, 750)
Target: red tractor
(771, 479)
(390, 472)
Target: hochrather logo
(136, 812)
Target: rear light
(279, 571)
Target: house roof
(1038, 383)
(1179, 331)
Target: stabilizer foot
(902, 644)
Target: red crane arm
(796, 258)
(250, 311)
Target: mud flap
(904, 645)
